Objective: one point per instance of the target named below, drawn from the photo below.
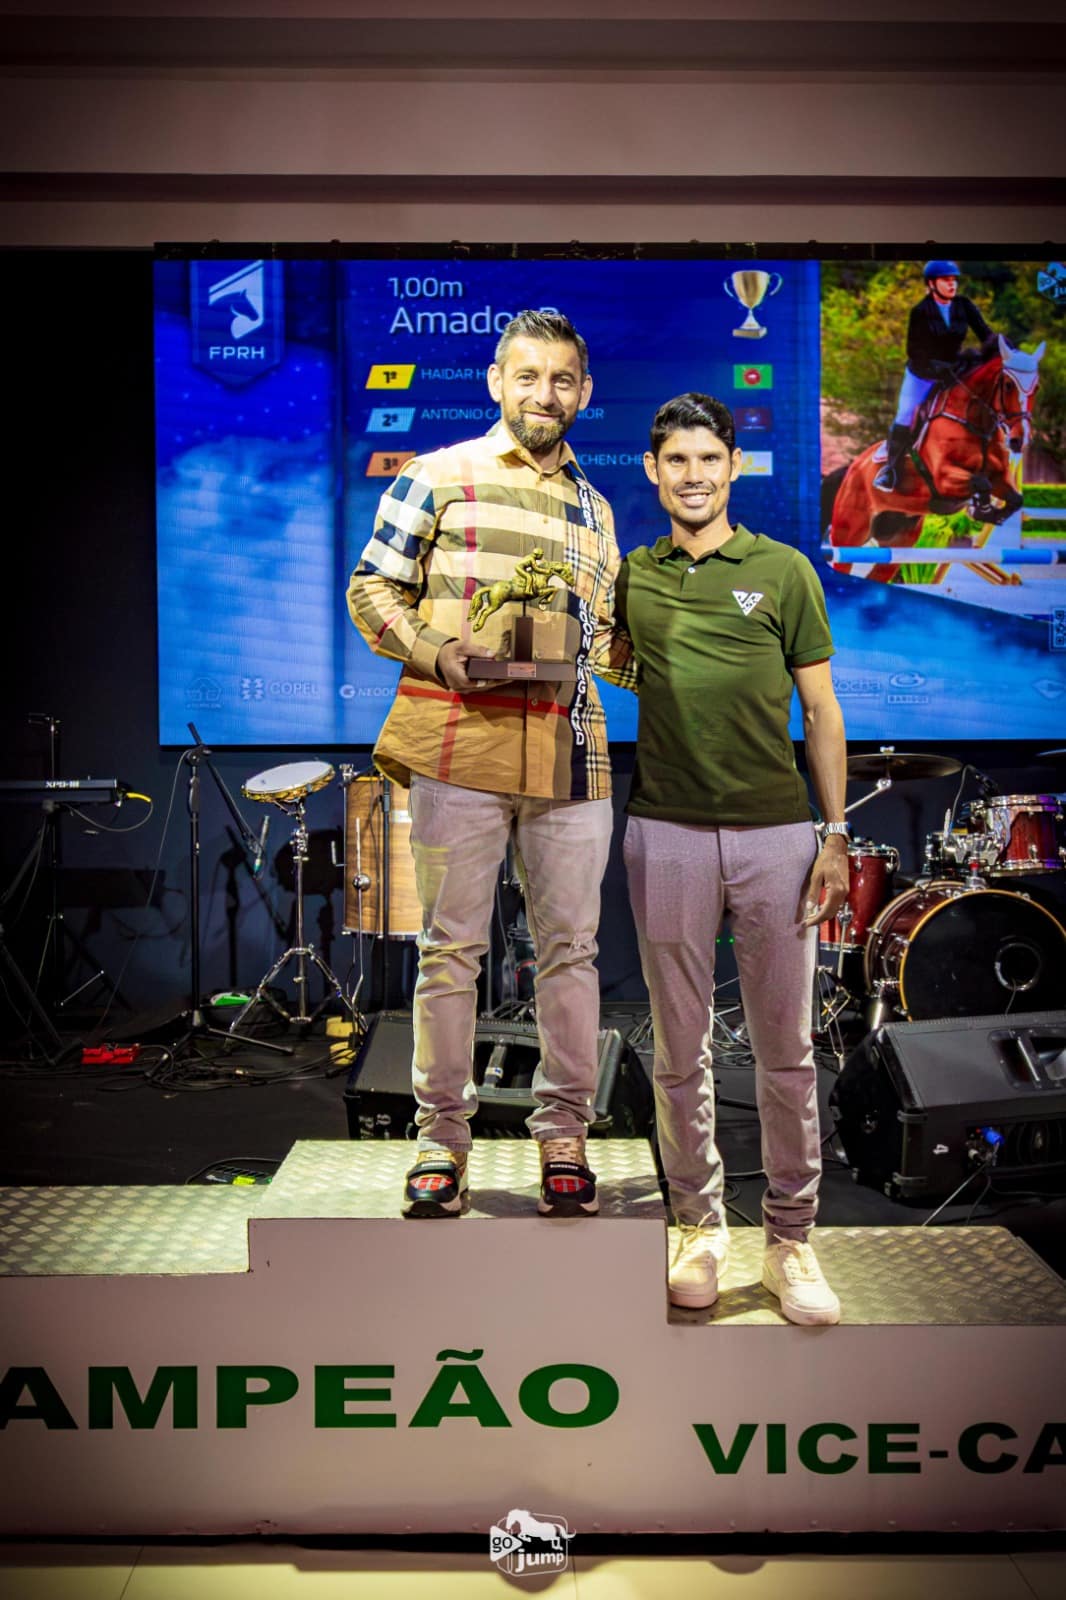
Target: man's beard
(537, 437)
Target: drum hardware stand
(10, 968)
(385, 802)
(301, 951)
(199, 1028)
(880, 1008)
(57, 932)
(880, 787)
(513, 1007)
(360, 882)
(829, 1002)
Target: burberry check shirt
(452, 521)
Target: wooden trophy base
(523, 665)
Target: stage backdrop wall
(81, 623)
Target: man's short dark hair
(548, 326)
(693, 411)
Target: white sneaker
(791, 1272)
(700, 1253)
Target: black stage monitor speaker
(919, 1106)
(380, 1103)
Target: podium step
(297, 1357)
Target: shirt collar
(737, 546)
(505, 444)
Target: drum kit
(961, 939)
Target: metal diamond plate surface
(976, 1276)
(155, 1229)
(364, 1178)
(973, 1277)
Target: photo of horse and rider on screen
(944, 428)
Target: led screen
(289, 392)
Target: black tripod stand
(58, 938)
(291, 802)
(198, 1026)
(39, 1024)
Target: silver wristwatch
(837, 827)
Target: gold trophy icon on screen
(750, 288)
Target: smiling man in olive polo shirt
(724, 625)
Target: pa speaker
(381, 1105)
(920, 1106)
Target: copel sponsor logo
(237, 318)
(254, 687)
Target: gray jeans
(458, 839)
(681, 879)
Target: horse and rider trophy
(535, 644)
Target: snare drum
(285, 785)
(941, 950)
(870, 869)
(1026, 828)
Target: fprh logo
(527, 1543)
(237, 322)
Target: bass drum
(941, 950)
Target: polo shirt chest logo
(747, 599)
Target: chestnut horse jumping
(967, 433)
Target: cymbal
(1051, 755)
(901, 764)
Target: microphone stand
(199, 1028)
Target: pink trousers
(458, 839)
(681, 880)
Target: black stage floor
(241, 1113)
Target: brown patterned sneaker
(567, 1187)
(436, 1186)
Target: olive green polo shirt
(715, 640)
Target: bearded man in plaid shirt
(491, 760)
